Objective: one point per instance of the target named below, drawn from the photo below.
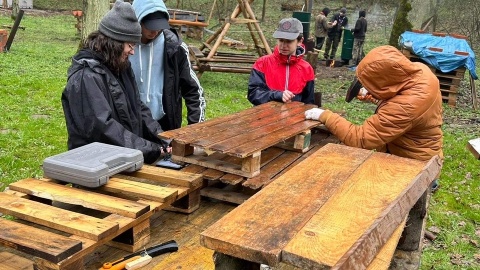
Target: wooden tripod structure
(261, 45)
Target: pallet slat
(37, 242)
(85, 198)
(57, 218)
(178, 178)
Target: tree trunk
(401, 22)
(15, 9)
(93, 12)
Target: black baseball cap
(353, 90)
(156, 21)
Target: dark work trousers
(357, 53)
(332, 42)
(320, 41)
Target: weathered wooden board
(183, 134)
(474, 147)
(140, 190)
(85, 198)
(37, 242)
(273, 138)
(57, 218)
(258, 229)
(9, 261)
(260, 127)
(222, 195)
(174, 177)
(376, 198)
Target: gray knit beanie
(120, 23)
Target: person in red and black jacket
(283, 75)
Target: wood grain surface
(259, 229)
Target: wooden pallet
(242, 136)
(274, 162)
(60, 224)
(449, 81)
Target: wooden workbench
(336, 209)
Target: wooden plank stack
(336, 209)
(449, 81)
(249, 149)
(59, 224)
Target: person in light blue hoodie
(162, 69)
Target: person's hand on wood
(287, 96)
(313, 114)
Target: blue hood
(145, 7)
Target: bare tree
(93, 11)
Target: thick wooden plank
(474, 147)
(9, 261)
(168, 176)
(37, 242)
(56, 218)
(258, 229)
(199, 128)
(85, 198)
(139, 190)
(384, 256)
(375, 198)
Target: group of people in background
(330, 32)
(126, 85)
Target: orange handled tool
(119, 264)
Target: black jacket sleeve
(308, 93)
(259, 92)
(192, 91)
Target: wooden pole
(211, 11)
(259, 30)
(263, 10)
(18, 19)
(235, 13)
(245, 4)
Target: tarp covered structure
(445, 60)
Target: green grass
(32, 127)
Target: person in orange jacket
(408, 118)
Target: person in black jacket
(162, 69)
(359, 37)
(101, 101)
(334, 34)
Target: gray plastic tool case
(91, 165)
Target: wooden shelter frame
(261, 45)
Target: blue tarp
(444, 61)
